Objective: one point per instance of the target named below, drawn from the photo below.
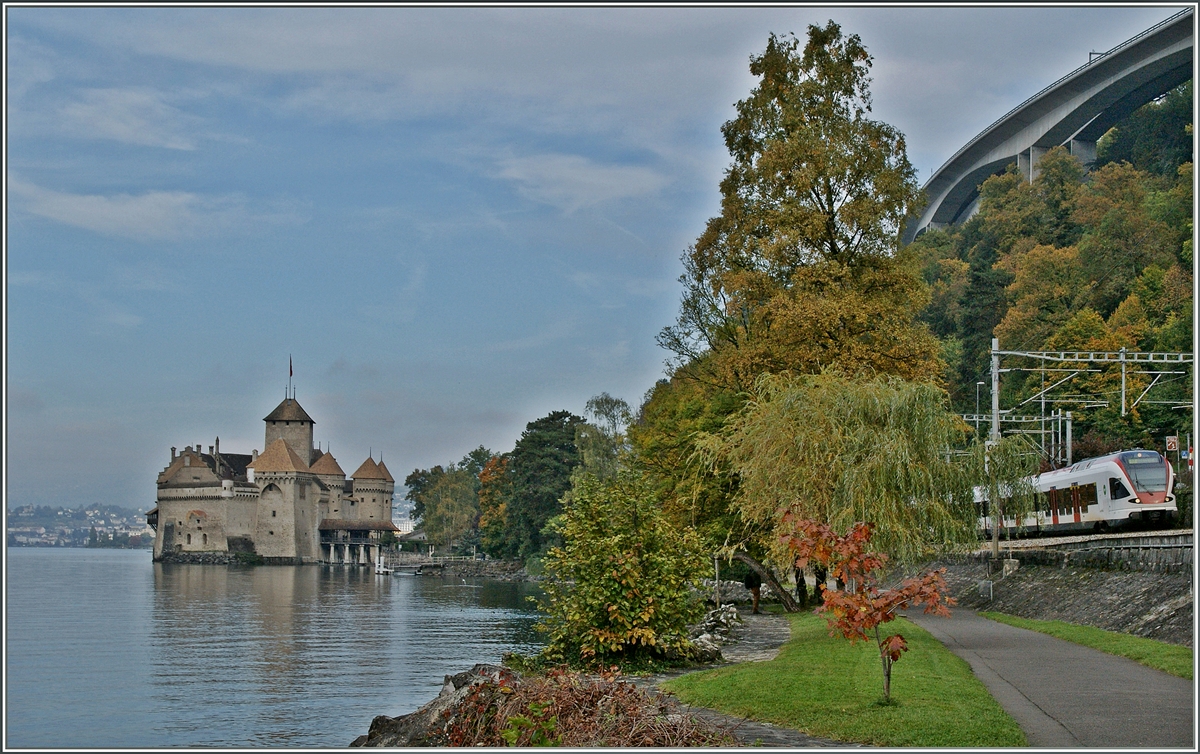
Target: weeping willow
(840, 450)
(1004, 473)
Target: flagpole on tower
(290, 374)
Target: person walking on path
(1067, 695)
(753, 582)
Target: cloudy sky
(455, 220)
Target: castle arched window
(189, 539)
(205, 538)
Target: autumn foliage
(858, 611)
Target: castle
(291, 504)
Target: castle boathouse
(292, 504)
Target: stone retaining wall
(1132, 556)
(1154, 604)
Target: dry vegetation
(566, 709)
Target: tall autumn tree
(495, 488)
(800, 271)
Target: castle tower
(327, 470)
(285, 521)
(372, 492)
(290, 423)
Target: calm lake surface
(107, 649)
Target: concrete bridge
(1074, 112)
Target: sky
(453, 221)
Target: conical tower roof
(386, 474)
(369, 470)
(278, 457)
(327, 464)
(290, 411)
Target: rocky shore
(730, 635)
(501, 570)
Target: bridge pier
(1027, 162)
(1083, 150)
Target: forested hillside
(1084, 257)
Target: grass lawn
(1169, 658)
(827, 687)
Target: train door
(1087, 501)
(1075, 501)
(1052, 496)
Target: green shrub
(618, 588)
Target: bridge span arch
(1073, 112)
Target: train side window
(1087, 495)
(1117, 489)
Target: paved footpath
(1067, 695)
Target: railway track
(1166, 537)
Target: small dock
(411, 564)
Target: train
(1126, 489)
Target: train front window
(1116, 489)
(1147, 470)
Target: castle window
(352, 502)
(205, 539)
(271, 533)
(272, 514)
(189, 539)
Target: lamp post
(977, 386)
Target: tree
(1047, 288)
(839, 450)
(445, 500)
(1124, 236)
(1156, 137)
(494, 492)
(618, 586)
(1004, 477)
(451, 506)
(540, 466)
(798, 271)
(813, 178)
(864, 608)
(674, 414)
(602, 442)
(418, 483)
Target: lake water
(106, 649)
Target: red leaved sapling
(857, 611)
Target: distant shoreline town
(86, 526)
(105, 526)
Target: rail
(413, 559)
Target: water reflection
(307, 655)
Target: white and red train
(1123, 489)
